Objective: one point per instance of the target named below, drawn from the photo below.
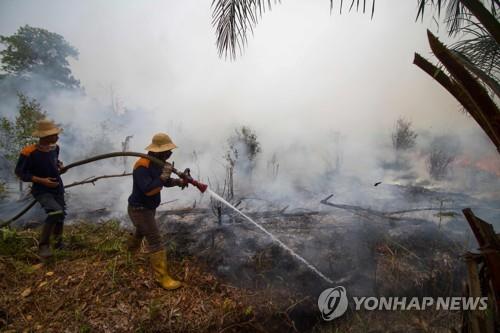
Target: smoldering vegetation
(385, 220)
(377, 210)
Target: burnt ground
(369, 256)
(238, 280)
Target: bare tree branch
(92, 180)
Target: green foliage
(35, 51)
(81, 240)
(16, 134)
(447, 214)
(85, 328)
(110, 246)
(248, 310)
(106, 238)
(14, 244)
(243, 143)
(154, 309)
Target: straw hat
(46, 127)
(161, 142)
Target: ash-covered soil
(237, 278)
(370, 251)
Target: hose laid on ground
(82, 162)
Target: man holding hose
(148, 181)
(39, 163)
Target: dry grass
(97, 286)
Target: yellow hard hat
(161, 142)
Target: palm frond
(456, 13)
(358, 3)
(480, 48)
(233, 19)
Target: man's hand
(60, 166)
(166, 172)
(48, 181)
(182, 183)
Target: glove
(166, 172)
(182, 183)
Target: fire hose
(186, 175)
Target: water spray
(274, 238)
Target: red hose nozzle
(186, 175)
(202, 187)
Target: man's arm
(48, 181)
(171, 182)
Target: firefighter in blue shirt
(39, 163)
(148, 181)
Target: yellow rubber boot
(159, 263)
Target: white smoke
(152, 67)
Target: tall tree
(37, 52)
(17, 133)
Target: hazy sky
(304, 74)
(304, 71)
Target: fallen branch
(422, 210)
(167, 202)
(94, 179)
(386, 215)
(356, 209)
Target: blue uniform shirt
(34, 162)
(147, 185)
